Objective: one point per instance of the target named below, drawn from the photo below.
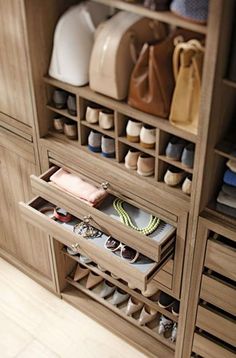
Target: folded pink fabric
(78, 187)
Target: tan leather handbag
(187, 67)
(152, 80)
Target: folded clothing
(226, 200)
(230, 177)
(229, 190)
(78, 187)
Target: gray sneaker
(175, 148)
(94, 141)
(71, 105)
(187, 157)
(59, 98)
(108, 147)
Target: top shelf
(122, 107)
(164, 16)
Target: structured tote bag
(187, 67)
(152, 80)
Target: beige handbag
(117, 44)
(187, 66)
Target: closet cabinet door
(15, 96)
(17, 239)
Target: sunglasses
(126, 252)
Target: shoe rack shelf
(122, 113)
(164, 16)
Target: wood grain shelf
(165, 16)
(120, 311)
(175, 163)
(96, 127)
(225, 149)
(122, 107)
(221, 212)
(62, 112)
(125, 287)
(138, 146)
(229, 83)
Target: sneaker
(92, 113)
(175, 148)
(71, 105)
(106, 119)
(148, 136)
(94, 141)
(165, 325)
(131, 159)
(174, 176)
(187, 157)
(174, 333)
(133, 130)
(145, 165)
(108, 146)
(165, 300)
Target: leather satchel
(187, 67)
(152, 80)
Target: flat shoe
(175, 148)
(133, 306)
(165, 300)
(93, 280)
(131, 159)
(174, 176)
(80, 272)
(107, 289)
(119, 297)
(147, 315)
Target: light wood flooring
(34, 323)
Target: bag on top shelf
(73, 42)
(118, 42)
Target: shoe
(119, 297)
(94, 141)
(187, 185)
(108, 147)
(133, 130)
(145, 165)
(165, 325)
(174, 333)
(147, 315)
(59, 98)
(92, 113)
(165, 300)
(107, 289)
(93, 280)
(175, 148)
(174, 176)
(196, 11)
(80, 272)
(175, 308)
(148, 136)
(85, 259)
(229, 190)
(231, 164)
(150, 290)
(106, 118)
(187, 157)
(71, 251)
(230, 178)
(226, 199)
(71, 105)
(70, 129)
(58, 124)
(131, 159)
(133, 306)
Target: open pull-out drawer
(155, 246)
(137, 274)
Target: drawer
(137, 274)
(221, 256)
(217, 324)
(208, 348)
(218, 293)
(107, 219)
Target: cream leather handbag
(117, 44)
(187, 66)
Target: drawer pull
(105, 185)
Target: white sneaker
(133, 130)
(165, 324)
(174, 333)
(148, 136)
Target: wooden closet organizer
(187, 261)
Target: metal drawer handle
(105, 185)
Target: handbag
(118, 42)
(187, 67)
(152, 80)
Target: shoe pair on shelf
(101, 143)
(103, 116)
(138, 132)
(118, 296)
(168, 327)
(178, 149)
(166, 301)
(66, 126)
(175, 176)
(143, 163)
(93, 279)
(62, 100)
(147, 313)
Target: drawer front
(209, 349)
(105, 218)
(218, 294)
(137, 274)
(221, 258)
(218, 325)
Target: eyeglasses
(126, 252)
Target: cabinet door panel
(17, 238)
(15, 95)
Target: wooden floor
(36, 324)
